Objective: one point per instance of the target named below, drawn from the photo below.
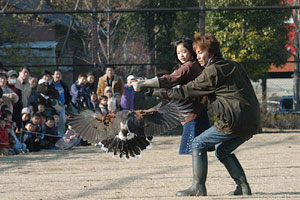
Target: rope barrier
(28, 132)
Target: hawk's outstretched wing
(128, 132)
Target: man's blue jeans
(227, 143)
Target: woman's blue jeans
(191, 130)
(226, 143)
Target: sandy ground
(271, 162)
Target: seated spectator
(7, 115)
(56, 119)
(30, 139)
(4, 140)
(38, 135)
(103, 109)
(127, 100)
(9, 97)
(94, 102)
(27, 110)
(3, 108)
(50, 129)
(41, 111)
(111, 100)
(47, 93)
(15, 144)
(80, 96)
(118, 101)
(69, 140)
(26, 117)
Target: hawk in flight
(127, 133)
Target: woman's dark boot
(199, 175)
(236, 171)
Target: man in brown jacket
(234, 103)
(112, 80)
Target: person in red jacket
(4, 140)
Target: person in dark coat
(236, 108)
(17, 107)
(47, 92)
(197, 120)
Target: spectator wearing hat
(22, 83)
(46, 93)
(9, 97)
(127, 99)
(17, 107)
(112, 80)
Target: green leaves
(256, 35)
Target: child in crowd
(103, 109)
(94, 102)
(15, 144)
(26, 117)
(50, 129)
(41, 108)
(80, 96)
(30, 139)
(4, 140)
(38, 135)
(111, 100)
(117, 95)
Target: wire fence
(143, 66)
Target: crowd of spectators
(34, 111)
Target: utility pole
(202, 18)
(94, 33)
(296, 56)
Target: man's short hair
(25, 67)
(49, 118)
(57, 70)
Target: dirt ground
(271, 162)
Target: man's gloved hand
(158, 92)
(138, 85)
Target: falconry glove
(153, 82)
